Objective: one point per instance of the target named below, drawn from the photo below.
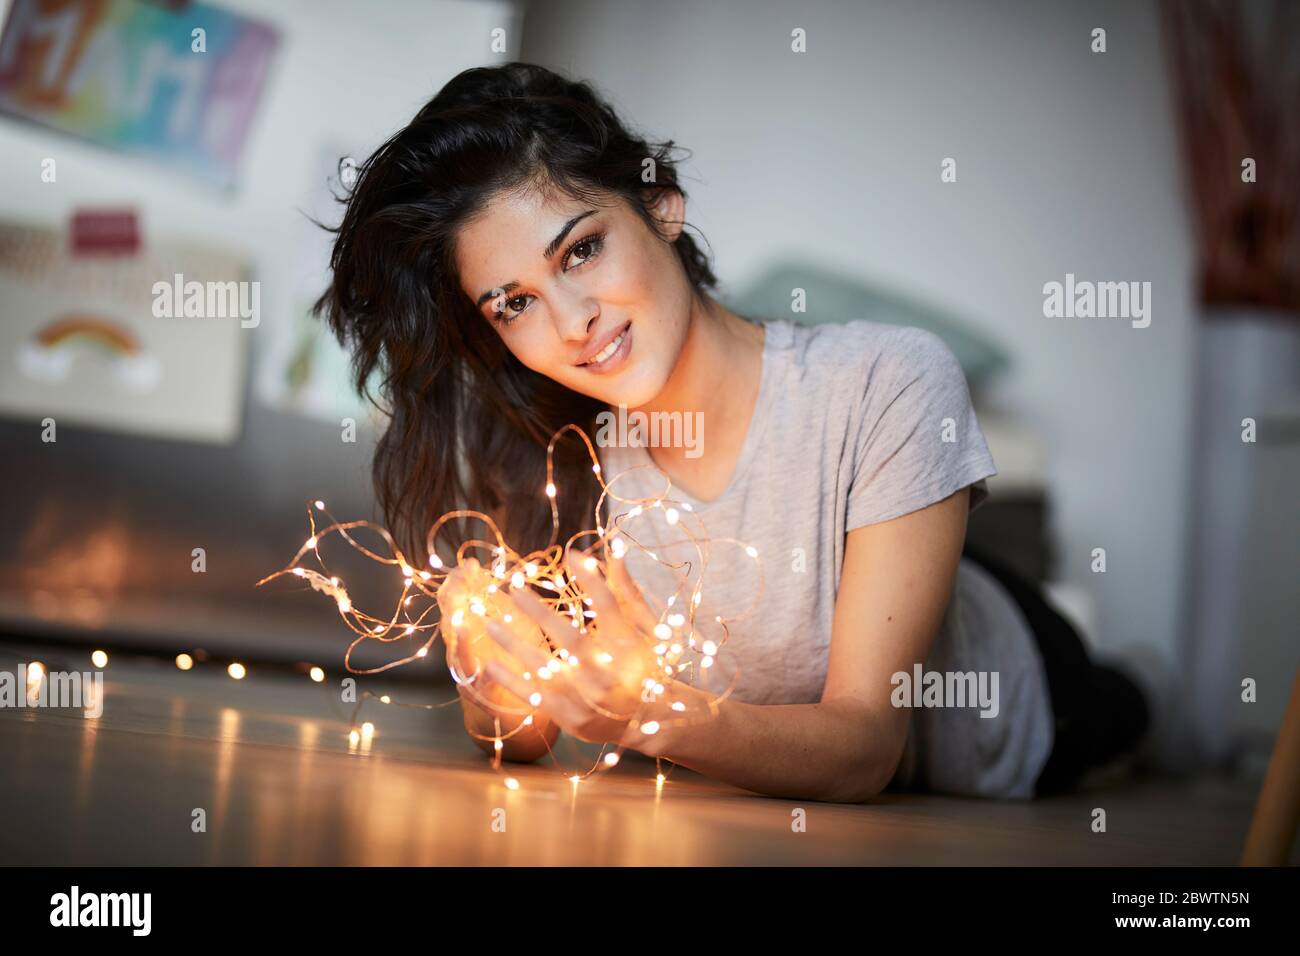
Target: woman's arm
(895, 587)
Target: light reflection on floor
(269, 762)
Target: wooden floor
(270, 763)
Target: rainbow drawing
(48, 355)
(180, 85)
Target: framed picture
(179, 83)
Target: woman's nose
(575, 317)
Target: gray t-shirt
(855, 424)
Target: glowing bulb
(517, 580)
(618, 548)
(300, 572)
(604, 657)
(595, 469)
(435, 561)
(99, 659)
(589, 564)
(671, 515)
(663, 632)
(575, 780)
(457, 617)
(512, 783)
(678, 705)
(528, 721)
(708, 647)
(550, 490)
(311, 542)
(35, 672)
(422, 652)
(317, 674)
(497, 745)
(706, 662)
(535, 699)
(320, 505)
(367, 729)
(237, 670)
(508, 618)
(385, 699)
(676, 620)
(659, 779)
(345, 605)
(354, 738)
(650, 727)
(477, 607)
(544, 672)
(636, 511)
(184, 661)
(530, 569)
(611, 759)
(751, 551)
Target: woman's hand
(490, 710)
(596, 691)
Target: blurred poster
(308, 373)
(179, 83)
(126, 343)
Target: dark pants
(1100, 713)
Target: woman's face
(586, 295)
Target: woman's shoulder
(876, 354)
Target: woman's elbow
(868, 774)
(860, 783)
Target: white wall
(1067, 162)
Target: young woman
(515, 260)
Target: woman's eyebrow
(546, 253)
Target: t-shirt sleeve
(916, 440)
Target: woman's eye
(587, 249)
(507, 311)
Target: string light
(456, 601)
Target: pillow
(833, 297)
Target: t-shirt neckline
(757, 422)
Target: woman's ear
(668, 206)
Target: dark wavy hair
(468, 423)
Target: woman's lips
(621, 344)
